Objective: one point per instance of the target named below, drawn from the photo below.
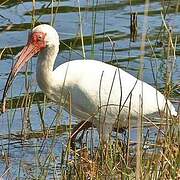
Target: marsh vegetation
(142, 38)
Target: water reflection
(105, 22)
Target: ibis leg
(82, 126)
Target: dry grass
(121, 159)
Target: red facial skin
(35, 44)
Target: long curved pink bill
(24, 56)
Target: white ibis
(98, 92)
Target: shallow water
(111, 18)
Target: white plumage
(98, 91)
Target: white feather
(96, 89)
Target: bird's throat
(45, 66)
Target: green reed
(123, 159)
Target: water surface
(104, 20)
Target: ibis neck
(45, 66)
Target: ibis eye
(39, 38)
